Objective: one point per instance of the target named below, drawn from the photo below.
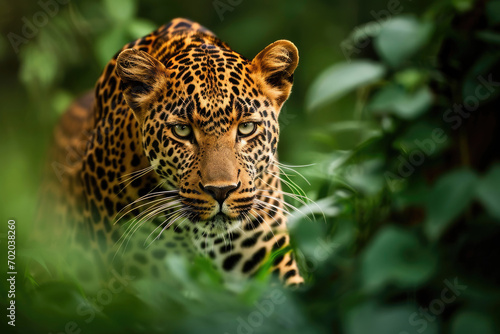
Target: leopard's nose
(220, 193)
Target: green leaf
(38, 67)
(374, 318)
(340, 79)
(489, 36)
(413, 105)
(450, 196)
(467, 322)
(178, 267)
(488, 191)
(462, 5)
(325, 206)
(396, 100)
(396, 256)
(362, 130)
(121, 10)
(110, 43)
(61, 100)
(139, 28)
(424, 136)
(58, 299)
(483, 67)
(410, 78)
(411, 196)
(493, 12)
(366, 177)
(37, 255)
(400, 38)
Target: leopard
(177, 144)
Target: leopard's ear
(274, 67)
(142, 77)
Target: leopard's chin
(219, 224)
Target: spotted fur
(216, 191)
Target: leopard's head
(209, 121)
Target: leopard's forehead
(212, 88)
(212, 68)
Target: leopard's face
(209, 121)
(212, 151)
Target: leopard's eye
(246, 129)
(182, 131)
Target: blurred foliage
(400, 122)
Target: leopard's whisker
(293, 170)
(188, 213)
(151, 203)
(245, 215)
(132, 179)
(291, 166)
(172, 218)
(126, 177)
(299, 198)
(292, 185)
(160, 208)
(167, 217)
(138, 223)
(156, 208)
(147, 196)
(251, 222)
(275, 210)
(269, 226)
(184, 221)
(285, 203)
(264, 204)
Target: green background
(409, 186)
